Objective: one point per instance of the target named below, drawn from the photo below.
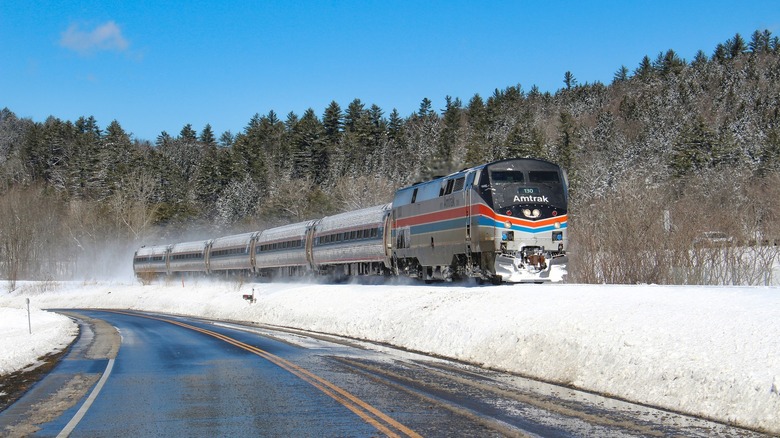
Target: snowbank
(709, 351)
(19, 348)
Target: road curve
(186, 377)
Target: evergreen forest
(670, 149)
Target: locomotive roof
(525, 163)
(481, 166)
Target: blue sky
(156, 66)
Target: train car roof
(152, 250)
(350, 219)
(286, 231)
(233, 240)
(189, 246)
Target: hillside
(664, 153)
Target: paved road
(164, 376)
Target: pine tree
(354, 117)
(226, 139)
(669, 63)
(770, 154)
(569, 80)
(566, 139)
(183, 152)
(333, 123)
(188, 134)
(88, 126)
(645, 69)
(695, 149)
(736, 46)
(207, 136)
(358, 139)
(395, 150)
(84, 161)
(310, 158)
(621, 75)
(117, 158)
(209, 181)
(524, 141)
(378, 125)
(426, 108)
(721, 53)
(287, 143)
(12, 131)
(174, 185)
(395, 125)
(450, 131)
(163, 139)
(700, 60)
(760, 42)
(477, 117)
(250, 152)
(274, 134)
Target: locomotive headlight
(531, 214)
(557, 225)
(507, 224)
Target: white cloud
(105, 37)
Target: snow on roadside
(709, 351)
(19, 348)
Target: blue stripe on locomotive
(483, 221)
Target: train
(499, 222)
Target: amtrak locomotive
(504, 221)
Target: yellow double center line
(368, 413)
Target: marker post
(29, 321)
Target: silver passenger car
(189, 257)
(283, 250)
(151, 260)
(233, 254)
(353, 243)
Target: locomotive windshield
(507, 176)
(532, 189)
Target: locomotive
(504, 221)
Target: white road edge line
(87, 404)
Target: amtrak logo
(531, 199)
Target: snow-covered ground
(23, 340)
(709, 351)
